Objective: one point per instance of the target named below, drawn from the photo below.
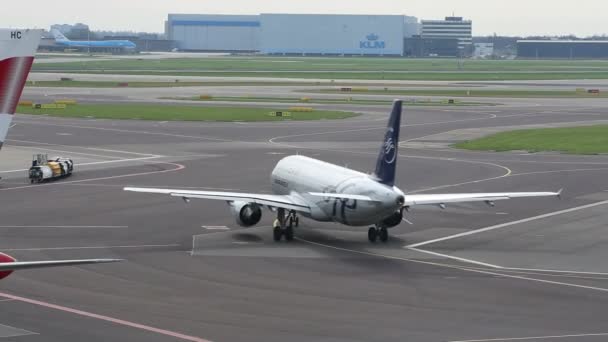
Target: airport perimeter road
(469, 272)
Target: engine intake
(246, 214)
(393, 220)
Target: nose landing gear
(377, 232)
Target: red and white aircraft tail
(17, 49)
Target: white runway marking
(537, 271)
(533, 338)
(119, 151)
(507, 224)
(86, 148)
(468, 261)
(172, 334)
(98, 163)
(86, 247)
(155, 186)
(69, 227)
(215, 227)
(8, 331)
(177, 168)
(61, 151)
(461, 268)
(272, 140)
(128, 131)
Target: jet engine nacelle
(246, 214)
(393, 220)
(3, 259)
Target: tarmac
(527, 270)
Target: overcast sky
(504, 17)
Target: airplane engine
(3, 259)
(246, 214)
(393, 220)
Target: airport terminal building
(293, 34)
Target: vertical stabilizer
(17, 49)
(59, 36)
(386, 165)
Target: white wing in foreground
(439, 199)
(22, 265)
(278, 201)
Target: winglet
(559, 193)
(386, 165)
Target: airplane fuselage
(98, 44)
(299, 176)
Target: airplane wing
(440, 199)
(21, 265)
(277, 201)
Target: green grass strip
(180, 113)
(575, 140)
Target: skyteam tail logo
(390, 151)
(372, 41)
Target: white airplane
(329, 193)
(17, 49)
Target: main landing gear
(284, 225)
(377, 232)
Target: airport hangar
(293, 34)
(570, 49)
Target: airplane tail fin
(59, 36)
(17, 49)
(387, 158)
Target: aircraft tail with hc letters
(17, 50)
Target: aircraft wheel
(383, 234)
(297, 222)
(372, 234)
(289, 233)
(277, 233)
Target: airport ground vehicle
(44, 169)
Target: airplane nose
(400, 200)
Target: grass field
(180, 113)
(344, 68)
(576, 140)
(137, 84)
(298, 101)
(470, 92)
